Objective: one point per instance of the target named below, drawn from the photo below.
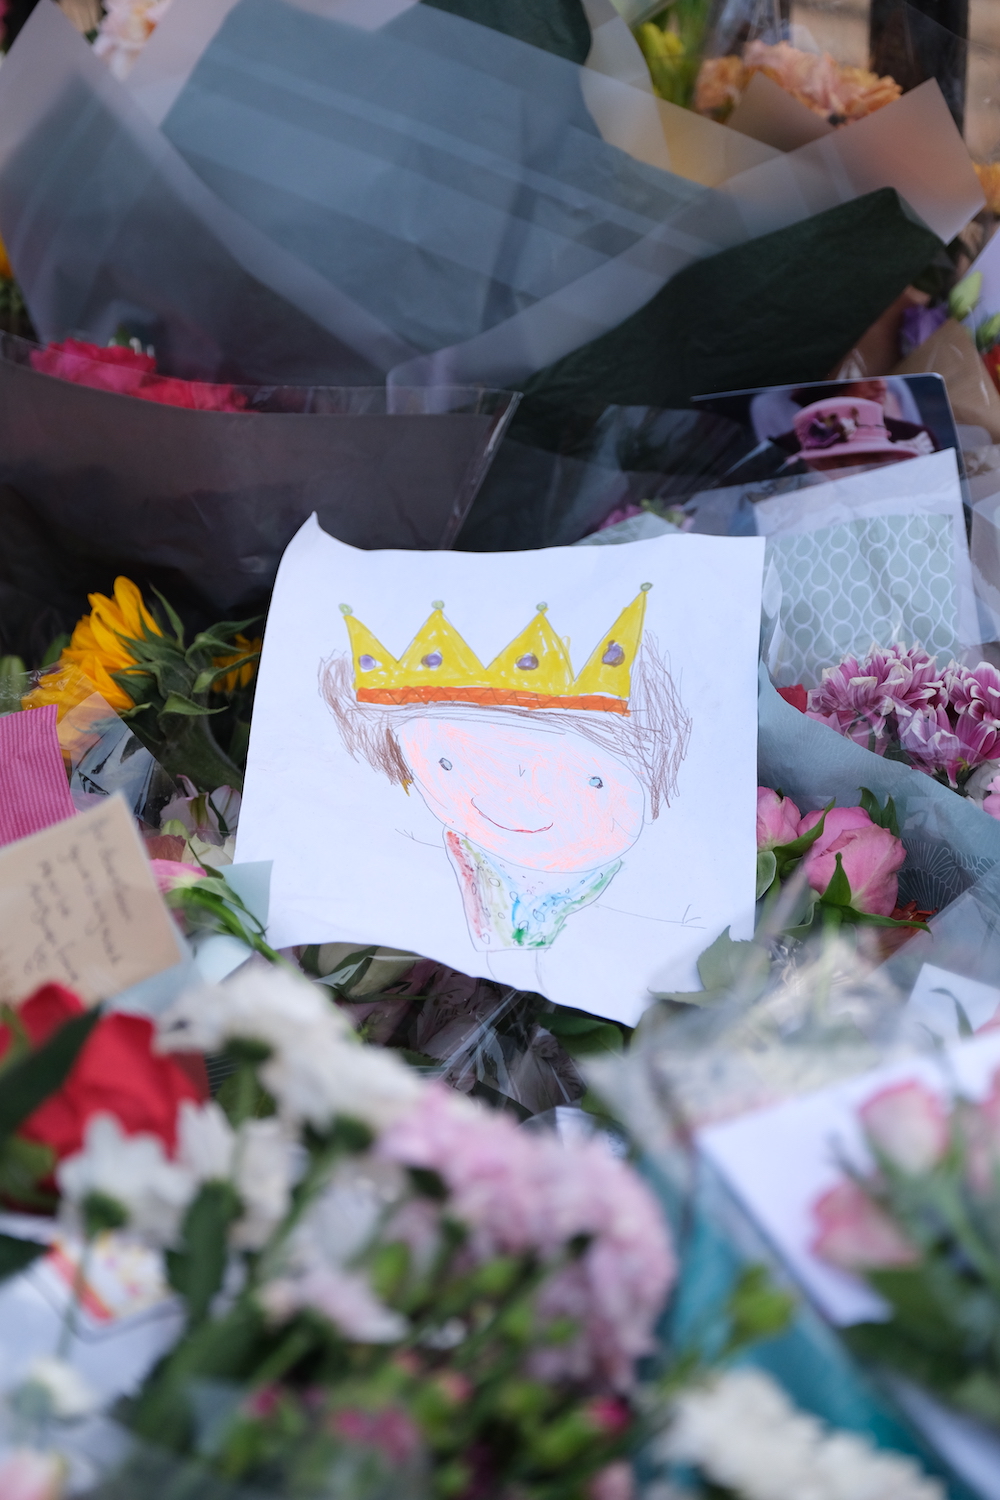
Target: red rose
(117, 1071)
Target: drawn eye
(595, 781)
(444, 764)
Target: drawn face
(541, 798)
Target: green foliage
(883, 817)
(196, 1270)
(672, 43)
(581, 1035)
(211, 904)
(176, 714)
(16, 1255)
(964, 296)
(30, 1080)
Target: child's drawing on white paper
(542, 778)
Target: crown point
(644, 588)
(541, 607)
(437, 604)
(345, 609)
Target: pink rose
(26, 1474)
(777, 819)
(871, 857)
(856, 1235)
(907, 1125)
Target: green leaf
(767, 869)
(30, 1082)
(16, 1255)
(964, 296)
(882, 817)
(988, 333)
(174, 619)
(726, 968)
(726, 964)
(838, 892)
(23, 1164)
(757, 1308)
(197, 1269)
(177, 703)
(203, 682)
(785, 853)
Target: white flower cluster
(742, 1432)
(154, 1191)
(317, 1068)
(125, 30)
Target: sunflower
(242, 676)
(99, 646)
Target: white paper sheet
(611, 903)
(936, 995)
(779, 1161)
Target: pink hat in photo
(846, 427)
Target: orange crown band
(491, 698)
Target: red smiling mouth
(506, 826)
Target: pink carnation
(871, 857)
(518, 1191)
(777, 819)
(856, 1234)
(129, 373)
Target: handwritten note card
(79, 905)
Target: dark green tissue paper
(558, 26)
(778, 310)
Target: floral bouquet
(377, 1276)
(922, 1227)
(898, 703)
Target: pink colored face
(540, 798)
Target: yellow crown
(534, 671)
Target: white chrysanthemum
(264, 1171)
(134, 1171)
(258, 1159)
(205, 1141)
(261, 1003)
(743, 1433)
(317, 1068)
